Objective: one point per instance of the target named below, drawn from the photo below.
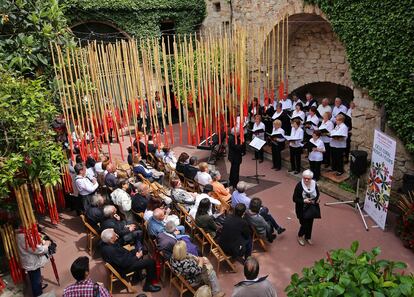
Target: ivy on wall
(140, 18)
(378, 37)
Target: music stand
(355, 203)
(257, 144)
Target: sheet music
(257, 143)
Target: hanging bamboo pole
(177, 77)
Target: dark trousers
(264, 212)
(306, 139)
(338, 159)
(315, 167)
(327, 154)
(36, 282)
(148, 265)
(78, 204)
(305, 228)
(295, 153)
(234, 173)
(348, 146)
(259, 154)
(276, 155)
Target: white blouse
(315, 120)
(276, 115)
(279, 131)
(296, 134)
(299, 113)
(286, 104)
(259, 127)
(341, 129)
(328, 126)
(317, 155)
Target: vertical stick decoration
(8, 237)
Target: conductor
(236, 152)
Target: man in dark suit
(235, 238)
(140, 199)
(125, 261)
(94, 214)
(127, 233)
(191, 170)
(236, 153)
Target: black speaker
(408, 183)
(359, 162)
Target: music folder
(292, 138)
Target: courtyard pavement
(338, 228)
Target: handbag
(311, 211)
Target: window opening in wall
(167, 29)
(217, 6)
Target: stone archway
(98, 30)
(323, 89)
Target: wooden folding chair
(200, 235)
(180, 283)
(219, 254)
(257, 239)
(91, 234)
(192, 186)
(182, 178)
(116, 276)
(151, 160)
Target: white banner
(380, 177)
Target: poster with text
(380, 178)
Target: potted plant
(346, 273)
(405, 224)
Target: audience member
(121, 198)
(90, 168)
(204, 220)
(207, 189)
(157, 223)
(153, 203)
(94, 214)
(182, 163)
(263, 228)
(192, 169)
(85, 186)
(203, 177)
(219, 191)
(195, 270)
(141, 197)
(127, 232)
(169, 157)
(239, 195)
(235, 237)
(111, 180)
(125, 261)
(84, 286)
(253, 285)
(139, 167)
(179, 195)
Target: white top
(259, 127)
(315, 120)
(203, 178)
(31, 259)
(299, 113)
(98, 167)
(276, 115)
(317, 155)
(199, 197)
(349, 112)
(322, 109)
(328, 125)
(294, 104)
(122, 199)
(296, 133)
(85, 186)
(90, 173)
(279, 131)
(341, 129)
(307, 103)
(337, 110)
(286, 104)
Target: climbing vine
(140, 18)
(378, 37)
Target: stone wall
(315, 55)
(215, 19)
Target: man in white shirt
(324, 107)
(85, 186)
(338, 108)
(206, 191)
(286, 102)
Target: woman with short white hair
(306, 198)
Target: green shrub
(346, 273)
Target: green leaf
(354, 246)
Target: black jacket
(94, 216)
(236, 151)
(139, 203)
(118, 226)
(235, 233)
(190, 172)
(118, 257)
(298, 199)
(181, 167)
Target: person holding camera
(306, 198)
(33, 260)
